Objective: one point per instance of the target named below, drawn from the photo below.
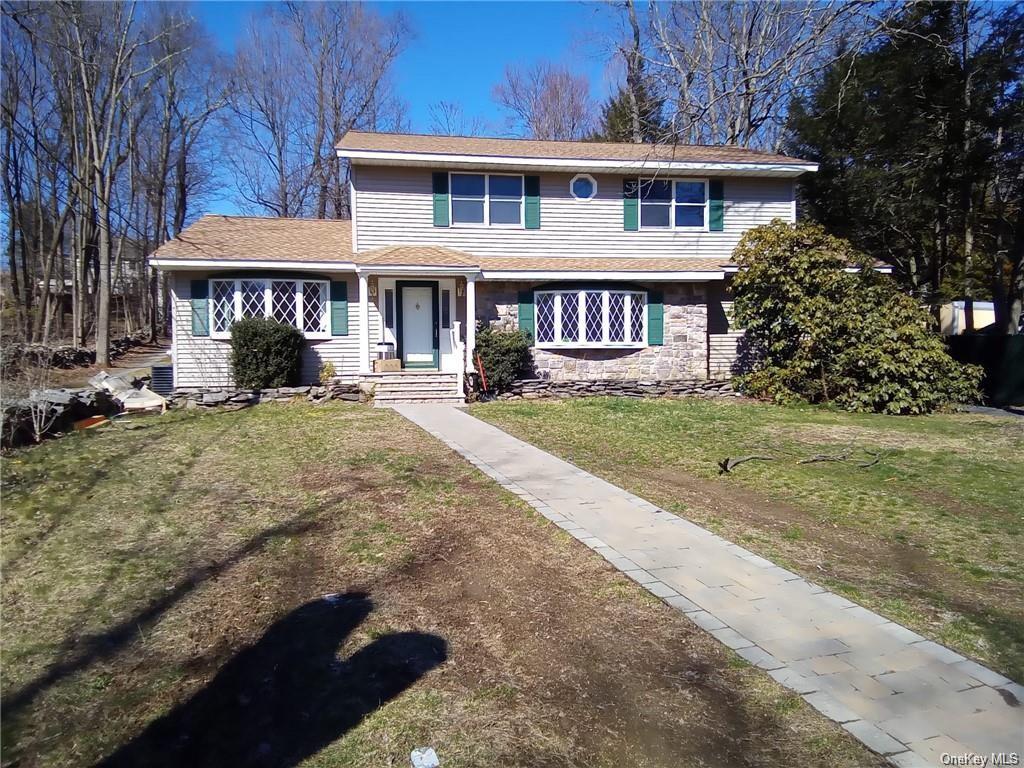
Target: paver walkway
(905, 697)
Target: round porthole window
(583, 186)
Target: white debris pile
(130, 398)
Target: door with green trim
(418, 332)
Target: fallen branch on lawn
(727, 464)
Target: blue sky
(460, 49)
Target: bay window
(591, 318)
(300, 303)
(673, 204)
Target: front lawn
(329, 586)
(931, 535)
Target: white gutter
(441, 160)
(193, 264)
(688, 276)
(413, 269)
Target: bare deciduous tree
(729, 69)
(449, 119)
(303, 77)
(546, 101)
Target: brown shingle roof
(416, 255)
(245, 238)
(561, 150)
(439, 256)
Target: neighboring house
(614, 257)
(953, 317)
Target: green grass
(141, 564)
(930, 533)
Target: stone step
(409, 375)
(454, 400)
(415, 386)
(414, 393)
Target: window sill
(591, 345)
(226, 336)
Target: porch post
(364, 324)
(470, 320)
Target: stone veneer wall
(683, 355)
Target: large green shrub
(265, 354)
(816, 332)
(505, 356)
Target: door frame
(400, 286)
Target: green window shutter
(716, 205)
(630, 205)
(655, 319)
(200, 301)
(526, 312)
(532, 217)
(339, 308)
(440, 184)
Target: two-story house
(614, 257)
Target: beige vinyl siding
(395, 206)
(722, 353)
(205, 362)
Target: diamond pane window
(636, 316)
(223, 305)
(594, 312)
(592, 318)
(282, 301)
(616, 317)
(314, 307)
(253, 299)
(545, 317)
(570, 317)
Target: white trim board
(435, 160)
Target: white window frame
(572, 183)
(487, 201)
(672, 206)
(268, 303)
(581, 331)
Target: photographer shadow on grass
(289, 695)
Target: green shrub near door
(266, 354)
(505, 356)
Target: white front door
(418, 327)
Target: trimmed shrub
(266, 354)
(505, 356)
(817, 333)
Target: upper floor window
(583, 186)
(301, 303)
(487, 199)
(591, 318)
(673, 204)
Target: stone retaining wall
(57, 411)
(66, 356)
(233, 399)
(536, 389)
